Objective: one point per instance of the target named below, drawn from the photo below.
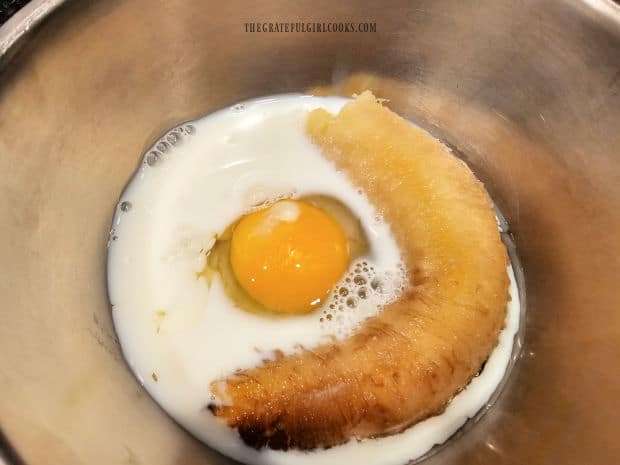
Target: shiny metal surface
(527, 92)
(22, 21)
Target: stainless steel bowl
(527, 92)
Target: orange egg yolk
(288, 256)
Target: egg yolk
(288, 256)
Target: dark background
(9, 7)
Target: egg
(236, 240)
(289, 256)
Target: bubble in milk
(152, 158)
(173, 138)
(168, 141)
(162, 146)
(112, 237)
(126, 206)
(363, 292)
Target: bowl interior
(528, 94)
